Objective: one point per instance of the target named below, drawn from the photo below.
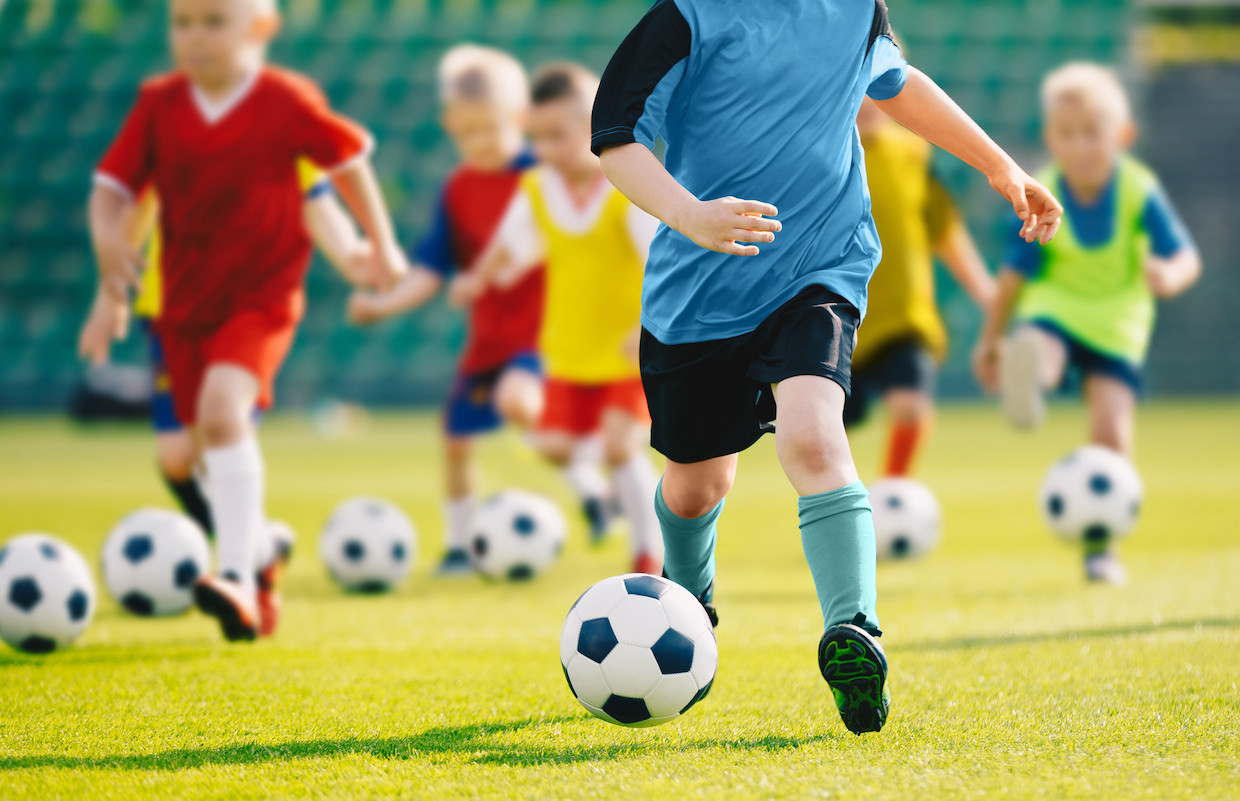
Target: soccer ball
(368, 545)
(517, 535)
(47, 596)
(151, 561)
(283, 538)
(907, 521)
(1092, 495)
(638, 650)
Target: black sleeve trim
(659, 42)
(880, 27)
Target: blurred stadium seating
(69, 70)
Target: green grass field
(1011, 677)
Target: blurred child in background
(485, 99)
(1085, 302)
(903, 337)
(176, 452)
(218, 140)
(594, 242)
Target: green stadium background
(69, 71)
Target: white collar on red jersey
(215, 110)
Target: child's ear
(266, 26)
(1128, 135)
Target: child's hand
(390, 265)
(722, 225)
(986, 358)
(360, 268)
(1034, 204)
(365, 307)
(465, 290)
(108, 320)
(1162, 277)
(632, 346)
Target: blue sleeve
(1021, 256)
(1168, 234)
(888, 69)
(435, 250)
(321, 188)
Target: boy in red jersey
(485, 97)
(218, 139)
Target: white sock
(235, 489)
(458, 513)
(635, 487)
(583, 472)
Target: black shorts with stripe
(715, 398)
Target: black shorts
(903, 364)
(711, 399)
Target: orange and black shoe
(223, 599)
(269, 580)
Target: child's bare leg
(235, 473)
(519, 397)
(1112, 413)
(459, 509)
(911, 412)
(837, 527)
(625, 450)
(178, 459)
(688, 502)
(1033, 364)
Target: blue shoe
(855, 667)
(455, 562)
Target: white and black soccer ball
(1092, 495)
(151, 561)
(907, 519)
(516, 535)
(47, 596)
(368, 545)
(638, 650)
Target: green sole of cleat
(856, 671)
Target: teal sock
(837, 533)
(688, 545)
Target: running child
(176, 454)
(761, 100)
(903, 339)
(594, 242)
(1085, 303)
(218, 139)
(485, 99)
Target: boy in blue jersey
(761, 99)
(1085, 304)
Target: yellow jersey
(149, 299)
(913, 211)
(594, 281)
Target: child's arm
(515, 249)
(999, 314)
(1172, 276)
(359, 189)
(111, 214)
(336, 237)
(957, 250)
(720, 225)
(927, 110)
(414, 290)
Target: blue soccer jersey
(757, 100)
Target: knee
(698, 497)
(518, 408)
(619, 449)
(909, 408)
(220, 425)
(558, 452)
(808, 450)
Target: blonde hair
(483, 74)
(1094, 85)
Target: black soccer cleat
(855, 667)
(222, 599)
(598, 518)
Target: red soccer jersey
(230, 200)
(503, 323)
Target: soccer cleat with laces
(223, 599)
(855, 667)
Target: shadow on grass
(990, 641)
(481, 744)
